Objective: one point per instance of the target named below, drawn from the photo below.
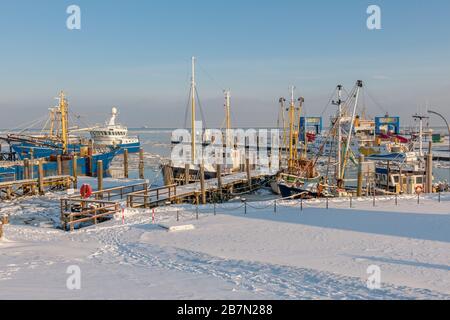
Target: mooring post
(141, 164)
(360, 175)
(396, 199)
(439, 195)
(125, 163)
(219, 180)
(41, 178)
(32, 163)
(26, 169)
(100, 176)
(275, 206)
(351, 201)
(75, 172)
(214, 208)
(202, 183)
(374, 198)
(1, 230)
(429, 175)
(187, 174)
(59, 164)
(327, 203)
(301, 204)
(249, 175)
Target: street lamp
(446, 122)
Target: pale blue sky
(136, 55)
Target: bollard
(439, 196)
(418, 198)
(196, 212)
(214, 208)
(327, 204)
(178, 215)
(245, 206)
(374, 200)
(396, 200)
(301, 204)
(275, 207)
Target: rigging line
(27, 125)
(186, 112)
(220, 86)
(328, 104)
(375, 101)
(201, 109)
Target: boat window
(419, 180)
(396, 179)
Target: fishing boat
(115, 135)
(300, 178)
(55, 144)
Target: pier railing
(116, 193)
(77, 211)
(152, 197)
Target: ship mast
(292, 144)
(63, 109)
(193, 133)
(339, 131)
(359, 85)
(228, 118)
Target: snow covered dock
(288, 254)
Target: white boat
(113, 134)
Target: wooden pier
(104, 204)
(15, 189)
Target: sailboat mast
(193, 133)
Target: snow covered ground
(291, 254)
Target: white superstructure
(112, 133)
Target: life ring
(419, 189)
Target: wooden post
(4, 220)
(429, 185)
(219, 179)
(202, 183)
(360, 175)
(249, 175)
(59, 164)
(41, 177)
(26, 169)
(141, 164)
(31, 163)
(125, 163)
(75, 172)
(187, 173)
(100, 175)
